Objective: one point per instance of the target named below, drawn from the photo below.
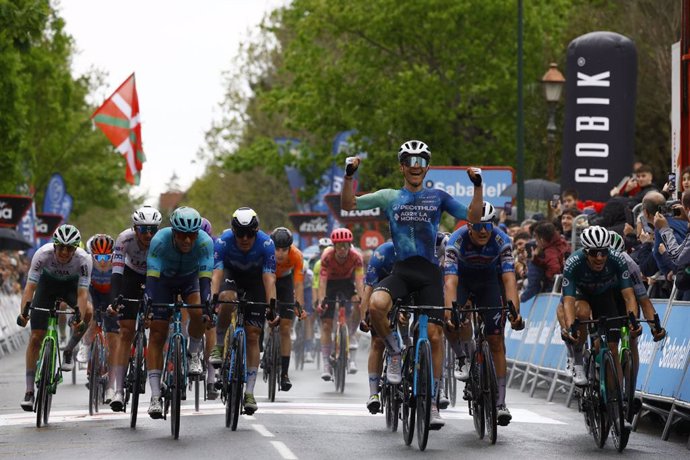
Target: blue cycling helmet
(185, 219)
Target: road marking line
(283, 450)
(263, 431)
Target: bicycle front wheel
(476, 401)
(614, 403)
(236, 381)
(43, 390)
(424, 394)
(95, 375)
(629, 383)
(451, 385)
(274, 368)
(177, 386)
(137, 376)
(408, 402)
(489, 391)
(342, 365)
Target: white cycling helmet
(595, 237)
(617, 242)
(488, 212)
(68, 235)
(146, 215)
(325, 243)
(413, 147)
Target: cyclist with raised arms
(60, 270)
(101, 248)
(477, 255)
(289, 287)
(128, 279)
(596, 282)
(414, 214)
(244, 259)
(341, 273)
(179, 261)
(380, 266)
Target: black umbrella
(12, 240)
(535, 189)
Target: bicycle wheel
(614, 403)
(599, 426)
(177, 386)
(43, 387)
(476, 401)
(298, 346)
(237, 381)
(342, 360)
(425, 393)
(137, 376)
(451, 385)
(226, 384)
(395, 399)
(95, 375)
(408, 401)
(273, 356)
(629, 383)
(489, 392)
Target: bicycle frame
(56, 371)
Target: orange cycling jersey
(332, 269)
(292, 265)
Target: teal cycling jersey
(578, 277)
(165, 259)
(413, 218)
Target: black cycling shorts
(609, 303)
(100, 303)
(48, 290)
(167, 289)
(416, 274)
(335, 289)
(486, 288)
(285, 292)
(253, 288)
(133, 284)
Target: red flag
(118, 118)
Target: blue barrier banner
(553, 357)
(544, 333)
(513, 338)
(533, 329)
(668, 365)
(684, 390)
(55, 193)
(646, 345)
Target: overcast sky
(178, 50)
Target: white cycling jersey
(44, 260)
(128, 252)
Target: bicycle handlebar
(509, 307)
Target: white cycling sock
(155, 382)
(194, 344)
(251, 379)
(501, 398)
(119, 374)
(374, 384)
(392, 344)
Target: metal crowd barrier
(12, 337)
(537, 358)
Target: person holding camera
(677, 251)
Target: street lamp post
(552, 82)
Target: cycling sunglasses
(152, 229)
(413, 161)
(183, 235)
(488, 226)
(598, 252)
(102, 257)
(67, 247)
(244, 233)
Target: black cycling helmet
(282, 237)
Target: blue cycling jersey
(380, 264)
(261, 257)
(413, 218)
(165, 259)
(463, 256)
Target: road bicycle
(391, 393)
(481, 390)
(48, 372)
(601, 400)
(271, 359)
(418, 374)
(98, 365)
(629, 366)
(135, 378)
(175, 366)
(233, 371)
(299, 345)
(451, 385)
(340, 357)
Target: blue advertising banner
(533, 329)
(646, 346)
(684, 390)
(454, 180)
(668, 365)
(66, 207)
(55, 193)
